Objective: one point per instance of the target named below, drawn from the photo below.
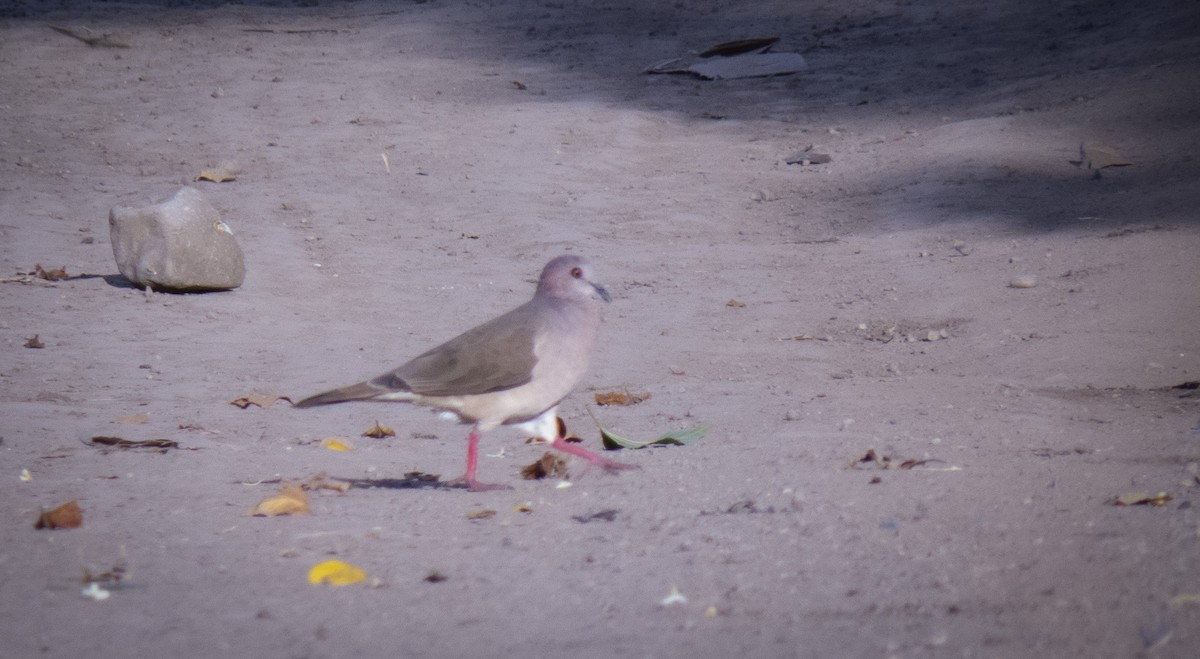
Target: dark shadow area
(1009, 198)
(411, 480)
(119, 281)
(918, 64)
(956, 53)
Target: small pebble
(1024, 281)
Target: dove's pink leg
(593, 459)
(472, 461)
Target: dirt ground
(406, 170)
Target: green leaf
(612, 441)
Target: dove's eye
(577, 272)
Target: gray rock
(179, 245)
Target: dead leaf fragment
(1099, 156)
(226, 171)
(621, 397)
(739, 46)
(290, 500)
(132, 419)
(261, 400)
(158, 445)
(1142, 499)
(872, 460)
(54, 274)
(34, 342)
(113, 575)
(435, 577)
(57, 274)
(746, 58)
(66, 516)
(335, 573)
(603, 515)
(480, 513)
(379, 432)
(550, 464)
(736, 304)
(323, 482)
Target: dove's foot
(593, 459)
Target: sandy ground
(397, 187)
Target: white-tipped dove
(511, 370)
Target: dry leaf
(480, 513)
(621, 397)
(226, 171)
(160, 445)
(872, 460)
(113, 575)
(261, 400)
(604, 516)
(336, 573)
(735, 304)
(517, 84)
(435, 577)
(523, 508)
(323, 482)
(132, 419)
(730, 48)
(57, 274)
(290, 500)
(1142, 499)
(550, 464)
(379, 432)
(337, 444)
(34, 342)
(66, 516)
(1099, 156)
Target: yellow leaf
(337, 444)
(291, 500)
(336, 573)
(621, 398)
(480, 513)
